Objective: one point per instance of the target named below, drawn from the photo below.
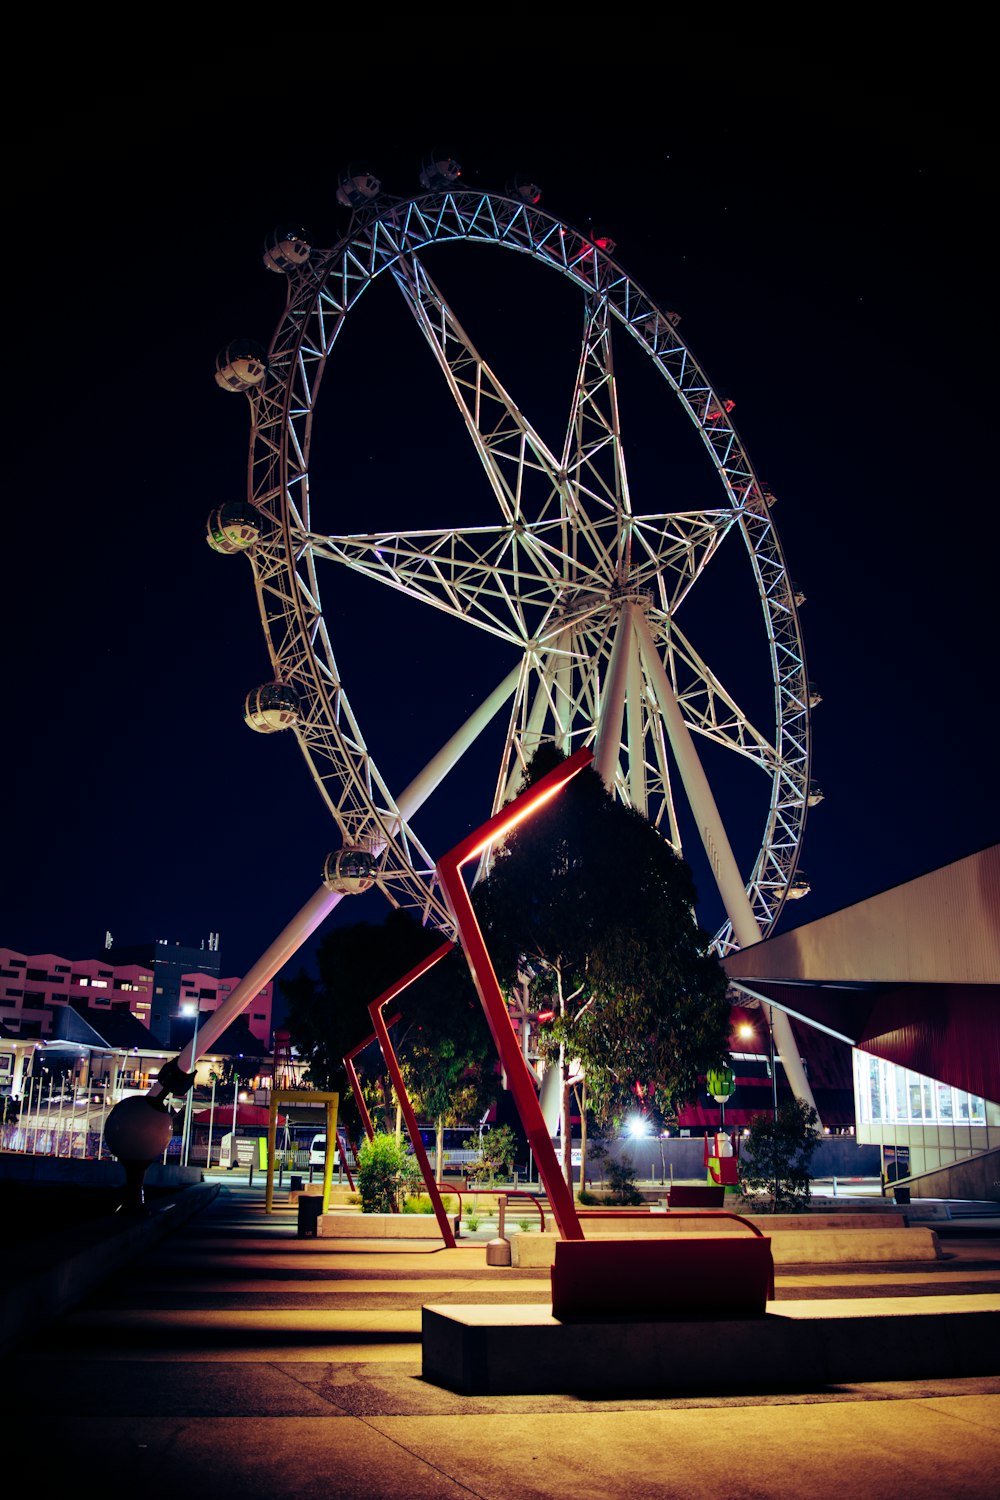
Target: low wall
(358, 1226)
(977, 1177)
(19, 1166)
(839, 1246)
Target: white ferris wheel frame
(585, 590)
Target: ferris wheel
(587, 588)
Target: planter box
(339, 1224)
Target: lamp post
(774, 1076)
(211, 1121)
(189, 1104)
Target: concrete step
(524, 1350)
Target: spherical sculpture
(233, 527)
(349, 871)
(137, 1130)
(273, 706)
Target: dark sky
(823, 237)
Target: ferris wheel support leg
(609, 730)
(284, 947)
(717, 846)
(420, 788)
(636, 741)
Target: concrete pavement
(233, 1358)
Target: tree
(442, 1040)
(776, 1155)
(590, 911)
(497, 1149)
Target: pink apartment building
(33, 985)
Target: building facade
(156, 983)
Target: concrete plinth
(816, 1245)
(524, 1350)
(357, 1226)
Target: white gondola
(286, 249)
(272, 707)
(240, 366)
(356, 186)
(439, 171)
(523, 187)
(349, 871)
(233, 527)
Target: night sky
(823, 239)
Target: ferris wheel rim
(321, 295)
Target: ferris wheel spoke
(707, 706)
(509, 448)
(670, 552)
(593, 462)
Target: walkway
(235, 1359)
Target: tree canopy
(589, 905)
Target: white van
(317, 1152)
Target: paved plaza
(233, 1357)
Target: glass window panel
(945, 1106)
(916, 1107)
(875, 1089)
(977, 1109)
(902, 1112)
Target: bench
(689, 1196)
(649, 1278)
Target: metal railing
(507, 1193)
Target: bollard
(498, 1250)
(310, 1209)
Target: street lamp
(189, 1105)
(746, 1031)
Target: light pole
(189, 1105)
(211, 1121)
(774, 1076)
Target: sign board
(245, 1151)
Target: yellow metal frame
(301, 1096)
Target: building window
(61, 968)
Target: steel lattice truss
(552, 575)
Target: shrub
(776, 1156)
(621, 1183)
(421, 1204)
(386, 1175)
